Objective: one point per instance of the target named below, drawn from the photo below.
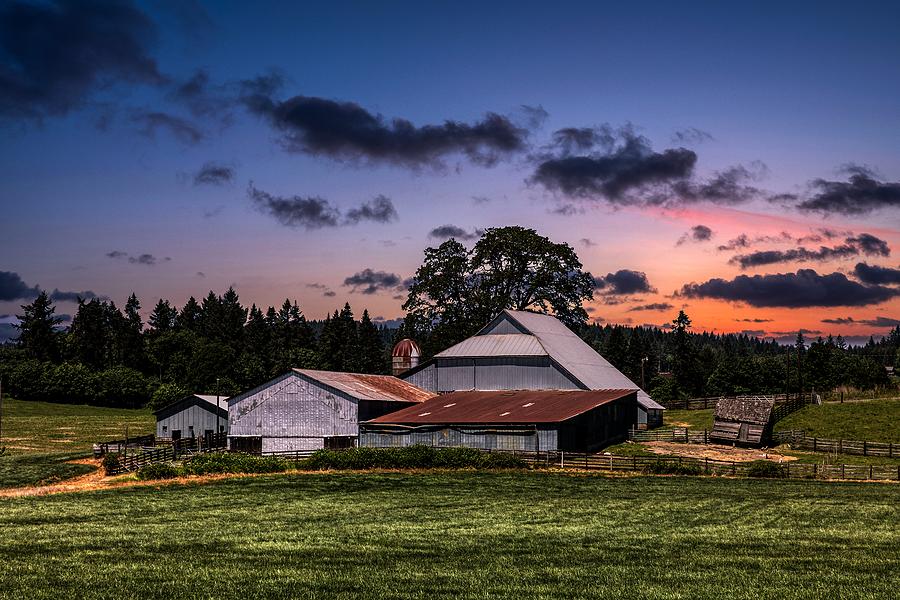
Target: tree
(369, 356)
(189, 317)
(166, 394)
(131, 340)
(162, 318)
(616, 348)
(37, 329)
(685, 367)
(456, 291)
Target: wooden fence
(711, 401)
(790, 470)
(800, 441)
(114, 446)
(681, 435)
(168, 450)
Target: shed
(193, 416)
(525, 350)
(743, 420)
(526, 420)
(307, 410)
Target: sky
(741, 162)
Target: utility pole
(643, 361)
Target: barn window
(165, 428)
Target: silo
(405, 356)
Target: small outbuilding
(193, 416)
(525, 420)
(743, 420)
(306, 409)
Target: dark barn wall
(600, 427)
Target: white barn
(307, 410)
(194, 416)
(521, 350)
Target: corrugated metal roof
(506, 344)
(575, 355)
(499, 407)
(383, 388)
(223, 400)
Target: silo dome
(405, 356)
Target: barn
(193, 416)
(528, 351)
(524, 420)
(743, 420)
(308, 410)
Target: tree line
(110, 357)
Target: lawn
(457, 535)
(875, 420)
(50, 428)
(692, 419)
(19, 470)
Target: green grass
(693, 419)
(19, 470)
(457, 535)
(44, 427)
(876, 420)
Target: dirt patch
(715, 452)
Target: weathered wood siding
(502, 326)
(199, 417)
(292, 413)
(486, 438)
(500, 373)
(426, 378)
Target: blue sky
(791, 93)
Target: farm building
(743, 420)
(526, 420)
(194, 416)
(529, 351)
(307, 410)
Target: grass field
(49, 428)
(692, 419)
(875, 420)
(19, 470)
(457, 535)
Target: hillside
(873, 420)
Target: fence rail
(168, 450)
(711, 401)
(681, 435)
(800, 441)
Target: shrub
(234, 462)
(665, 467)
(122, 386)
(158, 471)
(111, 464)
(166, 394)
(766, 468)
(411, 457)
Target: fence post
(814, 444)
(864, 448)
(840, 446)
(733, 469)
(815, 470)
(788, 465)
(842, 471)
(634, 463)
(870, 471)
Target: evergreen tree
(369, 356)
(616, 348)
(163, 317)
(189, 317)
(130, 336)
(38, 336)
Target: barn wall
(425, 379)
(455, 374)
(293, 407)
(502, 326)
(291, 444)
(484, 438)
(201, 418)
(500, 373)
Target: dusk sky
(739, 161)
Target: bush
(158, 471)
(664, 467)
(766, 468)
(111, 464)
(122, 387)
(234, 462)
(166, 394)
(411, 457)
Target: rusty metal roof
(498, 407)
(383, 388)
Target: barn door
(742, 434)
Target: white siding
(201, 419)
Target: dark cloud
(805, 288)
(143, 259)
(653, 306)
(201, 274)
(862, 193)
(214, 174)
(205, 100)
(329, 294)
(754, 332)
(347, 131)
(316, 213)
(724, 187)
(587, 242)
(55, 55)
(444, 232)
(389, 323)
(317, 286)
(620, 164)
(873, 322)
(150, 122)
(873, 274)
(480, 199)
(379, 210)
(368, 281)
(12, 287)
(754, 320)
(623, 282)
(853, 246)
(61, 296)
(698, 233)
(116, 254)
(691, 135)
(745, 241)
(534, 115)
(839, 320)
(296, 211)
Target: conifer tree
(37, 329)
